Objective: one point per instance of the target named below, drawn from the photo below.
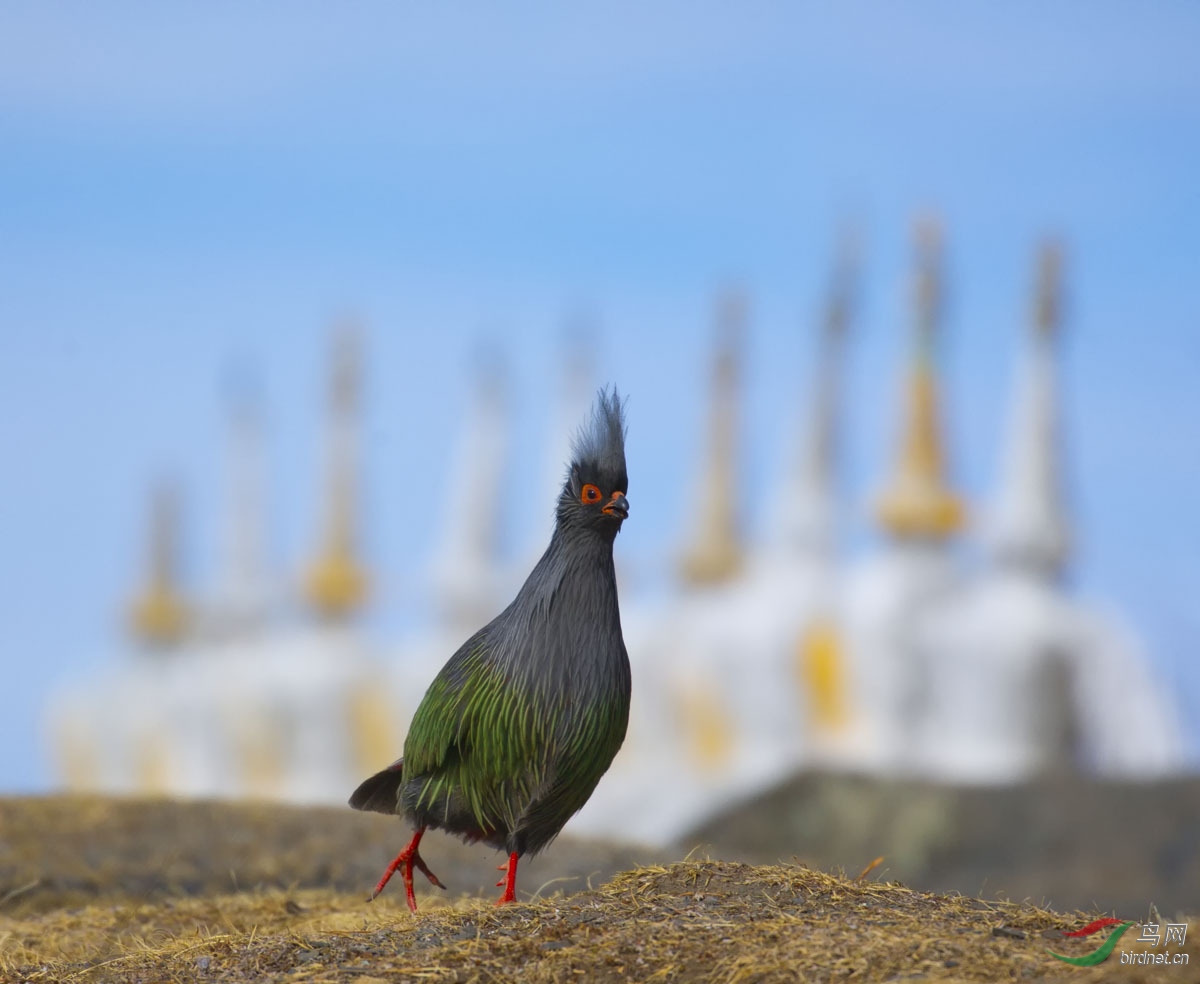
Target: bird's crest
(599, 445)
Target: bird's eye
(590, 494)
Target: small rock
(202, 963)
(1012, 934)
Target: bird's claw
(424, 869)
(407, 859)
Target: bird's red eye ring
(590, 494)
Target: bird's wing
(475, 740)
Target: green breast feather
(483, 743)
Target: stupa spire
(715, 553)
(805, 513)
(242, 591)
(1029, 522)
(573, 397)
(465, 569)
(336, 583)
(159, 614)
(918, 502)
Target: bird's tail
(380, 793)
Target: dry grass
(690, 921)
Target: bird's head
(593, 496)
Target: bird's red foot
(509, 882)
(407, 859)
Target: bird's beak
(618, 506)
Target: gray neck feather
(562, 633)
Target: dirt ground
(100, 890)
(60, 851)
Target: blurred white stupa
(682, 732)
(1018, 678)
(467, 580)
(243, 595)
(739, 676)
(107, 730)
(573, 403)
(914, 569)
(791, 591)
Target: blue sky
(188, 188)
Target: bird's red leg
(509, 881)
(406, 859)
